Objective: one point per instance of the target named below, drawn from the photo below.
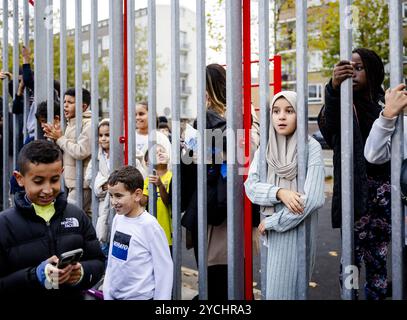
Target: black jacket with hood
(26, 240)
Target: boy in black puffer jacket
(41, 227)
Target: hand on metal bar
(343, 70)
(396, 101)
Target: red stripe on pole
(247, 125)
(126, 89)
(31, 2)
(277, 74)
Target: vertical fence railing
(264, 88)
(116, 83)
(6, 124)
(234, 117)
(78, 98)
(131, 98)
(302, 141)
(201, 154)
(247, 96)
(346, 151)
(26, 39)
(62, 60)
(94, 103)
(397, 209)
(16, 51)
(176, 157)
(152, 103)
(40, 55)
(50, 60)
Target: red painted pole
(247, 125)
(126, 89)
(277, 74)
(31, 2)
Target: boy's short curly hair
(129, 176)
(38, 152)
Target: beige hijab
(282, 153)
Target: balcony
(186, 92)
(185, 46)
(185, 69)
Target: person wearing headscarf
(372, 205)
(283, 207)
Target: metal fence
(122, 125)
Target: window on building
(404, 10)
(85, 47)
(315, 61)
(105, 43)
(85, 66)
(315, 93)
(183, 39)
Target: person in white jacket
(74, 148)
(378, 144)
(100, 185)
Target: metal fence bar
(302, 142)
(264, 90)
(176, 157)
(62, 60)
(131, 63)
(6, 124)
(40, 55)
(94, 103)
(78, 98)
(201, 150)
(346, 151)
(26, 41)
(16, 64)
(116, 83)
(152, 100)
(50, 62)
(397, 154)
(235, 213)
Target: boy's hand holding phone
(155, 179)
(47, 271)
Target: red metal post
(247, 125)
(31, 2)
(125, 74)
(277, 80)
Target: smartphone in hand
(69, 257)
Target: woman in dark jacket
(372, 205)
(216, 186)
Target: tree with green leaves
(370, 19)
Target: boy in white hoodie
(74, 149)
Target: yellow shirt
(45, 212)
(163, 213)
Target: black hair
(57, 87)
(42, 110)
(129, 176)
(38, 152)
(163, 125)
(374, 70)
(144, 104)
(85, 95)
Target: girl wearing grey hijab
(283, 208)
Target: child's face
(42, 182)
(104, 137)
(284, 117)
(122, 200)
(69, 107)
(162, 156)
(141, 117)
(165, 131)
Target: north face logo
(70, 223)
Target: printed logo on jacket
(121, 243)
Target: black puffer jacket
(26, 240)
(329, 121)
